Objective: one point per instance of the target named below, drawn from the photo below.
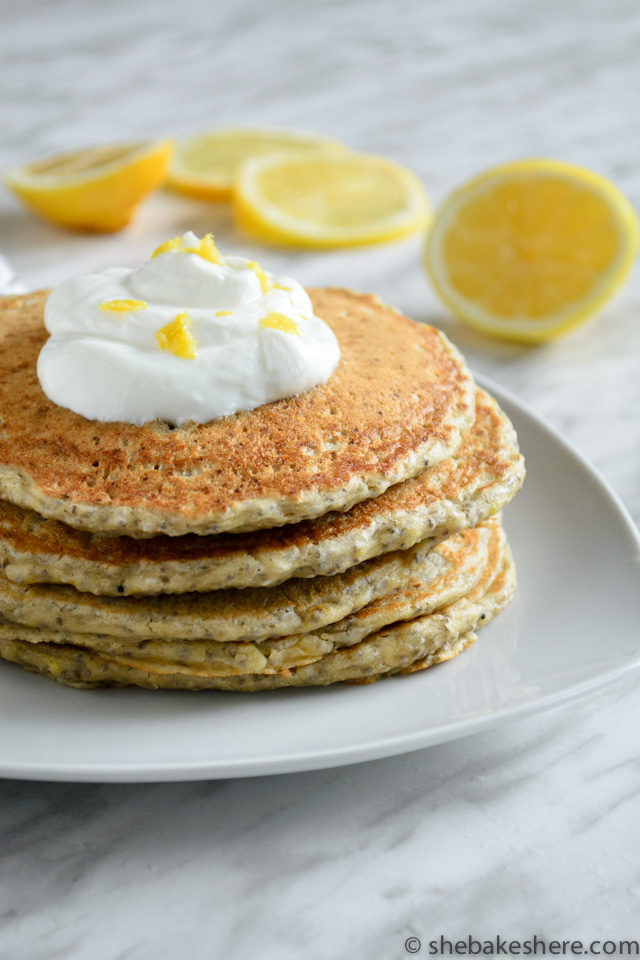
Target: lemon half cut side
(96, 189)
(529, 250)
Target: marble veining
(529, 829)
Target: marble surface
(529, 829)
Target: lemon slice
(95, 189)
(206, 165)
(531, 249)
(329, 199)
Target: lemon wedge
(321, 199)
(95, 189)
(206, 165)
(531, 249)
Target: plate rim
(374, 750)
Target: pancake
(477, 482)
(466, 567)
(415, 600)
(399, 400)
(296, 606)
(416, 643)
(64, 665)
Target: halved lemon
(531, 249)
(95, 189)
(206, 165)
(325, 199)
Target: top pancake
(400, 399)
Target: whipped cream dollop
(190, 335)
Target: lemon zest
(223, 313)
(206, 249)
(278, 321)
(123, 306)
(177, 338)
(265, 283)
(281, 286)
(167, 247)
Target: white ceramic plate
(572, 627)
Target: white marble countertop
(530, 829)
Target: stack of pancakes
(346, 534)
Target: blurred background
(446, 88)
